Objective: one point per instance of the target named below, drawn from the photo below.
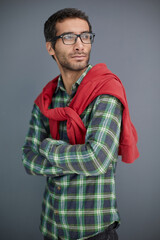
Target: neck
(70, 77)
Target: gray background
(128, 41)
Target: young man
(75, 135)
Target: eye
(69, 37)
(85, 36)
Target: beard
(67, 63)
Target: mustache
(78, 54)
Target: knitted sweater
(99, 80)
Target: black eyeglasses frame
(77, 35)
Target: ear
(49, 48)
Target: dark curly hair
(59, 16)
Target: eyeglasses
(71, 38)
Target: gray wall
(128, 41)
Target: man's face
(72, 57)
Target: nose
(78, 46)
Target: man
(74, 136)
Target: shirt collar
(60, 84)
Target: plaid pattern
(79, 198)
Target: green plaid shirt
(79, 198)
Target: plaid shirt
(79, 198)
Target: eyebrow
(73, 32)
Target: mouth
(79, 56)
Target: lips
(79, 57)
(78, 54)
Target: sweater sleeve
(101, 142)
(34, 162)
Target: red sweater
(99, 80)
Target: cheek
(88, 47)
(62, 50)
(89, 50)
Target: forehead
(75, 25)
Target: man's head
(68, 35)
(50, 29)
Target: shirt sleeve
(101, 142)
(34, 162)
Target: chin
(73, 65)
(80, 65)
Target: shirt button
(59, 188)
